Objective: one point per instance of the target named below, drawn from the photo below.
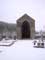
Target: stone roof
(25, 16)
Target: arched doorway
(25, 30)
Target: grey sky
(11, 10)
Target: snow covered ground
(22, 50)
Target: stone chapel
(25, 27)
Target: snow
(6, 43)
(22, 50)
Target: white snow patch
(22, 50)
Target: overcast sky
(11, 10)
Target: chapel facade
(25, 27)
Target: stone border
(9, 44)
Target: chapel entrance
(25, 30)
